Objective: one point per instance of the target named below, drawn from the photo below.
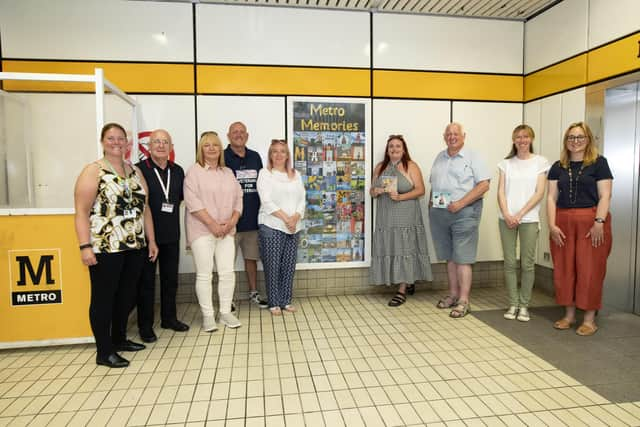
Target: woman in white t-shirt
(282, 204)
(520, 189)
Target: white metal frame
(101, 83)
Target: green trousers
(528, 234)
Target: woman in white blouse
(282, 204)
(520, 189)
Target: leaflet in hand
(440, 199)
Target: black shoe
(176, 325)
(411, 289)
(398, 299)
(129, 345)
(114, 360)
(254, 297)
(149, 336)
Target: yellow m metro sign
(35, 277)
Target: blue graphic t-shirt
(246, 171)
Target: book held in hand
(389, 184)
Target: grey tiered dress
(400, 253)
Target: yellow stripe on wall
(430, 85)
(232, 79)
(557, 78)
(129, 77)
(614, 59)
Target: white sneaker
(209, 324)
(523, 314)
(230, 320)
(511, 313)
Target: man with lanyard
(246, 164)
(165, 180)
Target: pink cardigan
(213, 189)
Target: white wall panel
(550, 142)
(573, 107)
(263, 116)
(422, 124)
(282, 36)
(97, 29)
(451, 44)
(609, 20)
(488, 127)
(557, 34)
(532, 118)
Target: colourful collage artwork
(332, 165)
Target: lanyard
(165, 190)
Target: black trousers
(113, 289)
(168, 260)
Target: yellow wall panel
(33, 237)
(130, 77)
(566, 75)
(616, 58)
(230, 79)
(429, 85)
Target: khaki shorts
(247, 242)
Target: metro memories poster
(329, 147)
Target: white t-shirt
(520, 178)
(278, 192)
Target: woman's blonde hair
(590, 151)
(287, 165)
(209, 137)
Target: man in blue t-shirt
(246, 164)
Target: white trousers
(205, 250)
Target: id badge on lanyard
(166, 206)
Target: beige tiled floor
(338, 361)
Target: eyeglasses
(578, 138)
(278, 141)
(161, 141)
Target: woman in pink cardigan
(213, 199)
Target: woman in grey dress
(400, 254)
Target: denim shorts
(455, 235)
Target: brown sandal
(460, 310)
(564, 324)
(586, 329)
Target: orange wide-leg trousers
(578, 267)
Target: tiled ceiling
(502, 9)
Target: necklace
(125, 180)
(573, 192)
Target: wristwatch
(600, 220)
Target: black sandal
(411, 289)
(398, 299)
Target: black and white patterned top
(116, 216)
